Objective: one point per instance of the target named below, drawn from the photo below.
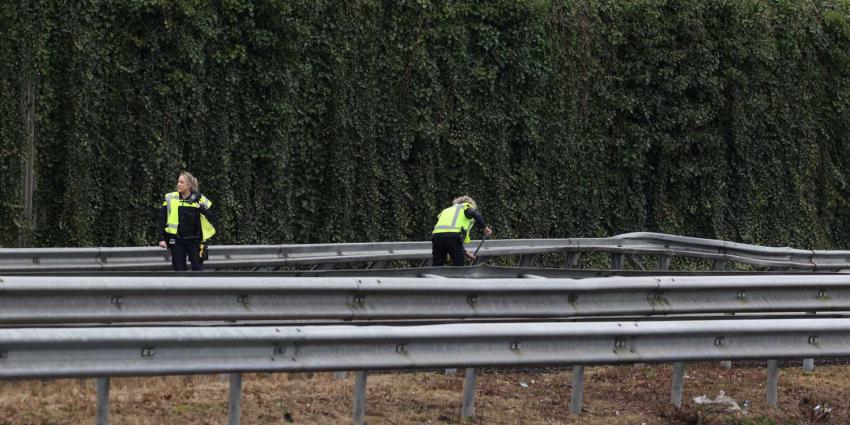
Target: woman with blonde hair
(185, 223)
(452, 230)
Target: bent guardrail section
(379, 253)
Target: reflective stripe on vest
(451, 220)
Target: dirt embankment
(617, 395)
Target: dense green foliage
(327, 121)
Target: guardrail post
(678, 383)
(578, 389)
(727, 363)
(616, 261)
(468, 409)
(526, 260)
(637, 262)
(772, 382)
(719, 265)
(234, 411)
(664, 262)
(809, 364)
(571, 260)
(102, 415)
(359, 397)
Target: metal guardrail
(208, 297)
(379, 253)
(111, 351)
(713, 249)
(31, 352)
(477, 271)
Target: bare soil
(615, 395)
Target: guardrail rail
(379, 254)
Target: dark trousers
(180, 249)
(443, 244)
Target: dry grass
(615, 395)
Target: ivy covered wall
(359, 120)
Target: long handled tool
(475, 254)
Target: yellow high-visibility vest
(173, 201)
(453, 220)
